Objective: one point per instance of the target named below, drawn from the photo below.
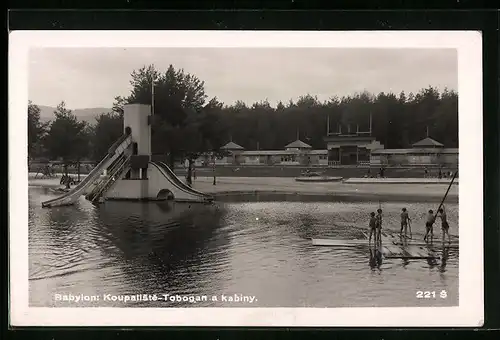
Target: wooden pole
(215, 181)
(370, 123)
(152, 95)
(446, 194)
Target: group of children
(375, 224)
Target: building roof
(427, 142)
(298, 144)
(414, 151)
(232, 146)
(268, 152)
(317, 152)
(281, 152)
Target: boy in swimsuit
(379, 225)
(373, 227)
(404, 221)
(445, 227)
(429, 225)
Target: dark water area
(258, 253)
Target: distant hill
(88, 115)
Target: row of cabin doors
(348, 155)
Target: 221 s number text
(431, 294)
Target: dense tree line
(186, 122)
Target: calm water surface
(259, 249)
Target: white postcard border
(471, 301)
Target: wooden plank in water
(405, 257)
(453, 245)
(338, 243)
(415, 251)
(385, 251)
(394, 247)
(393, 250)
(412, 252)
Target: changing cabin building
(295, 153)
(346, 147)
(426, 152)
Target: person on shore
(426, 172)
(429, 225)
(440, 174)
(369, 174)
(373, 228)
(405, 219)
(194, 173)
(379, 225)
(445, 227)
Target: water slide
(114, 152)
(174, 180)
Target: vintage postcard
(202, 178)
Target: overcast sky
(92, 77)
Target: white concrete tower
(137, 118)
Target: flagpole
(152, 95)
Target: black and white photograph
(246, 178)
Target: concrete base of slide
(155, 188)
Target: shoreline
(287, 189)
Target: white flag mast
(152, 93)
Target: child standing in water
(373, 228)
(444, 223)
(405, 219)
(429, 225)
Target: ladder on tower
(115, 172)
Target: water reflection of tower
(177, 244)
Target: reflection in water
(444, 258)
(260, 250)
(375, 258)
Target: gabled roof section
(232, 146)
(427, 142)
(299, 144)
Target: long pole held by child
(446, 194)
(442, 201)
